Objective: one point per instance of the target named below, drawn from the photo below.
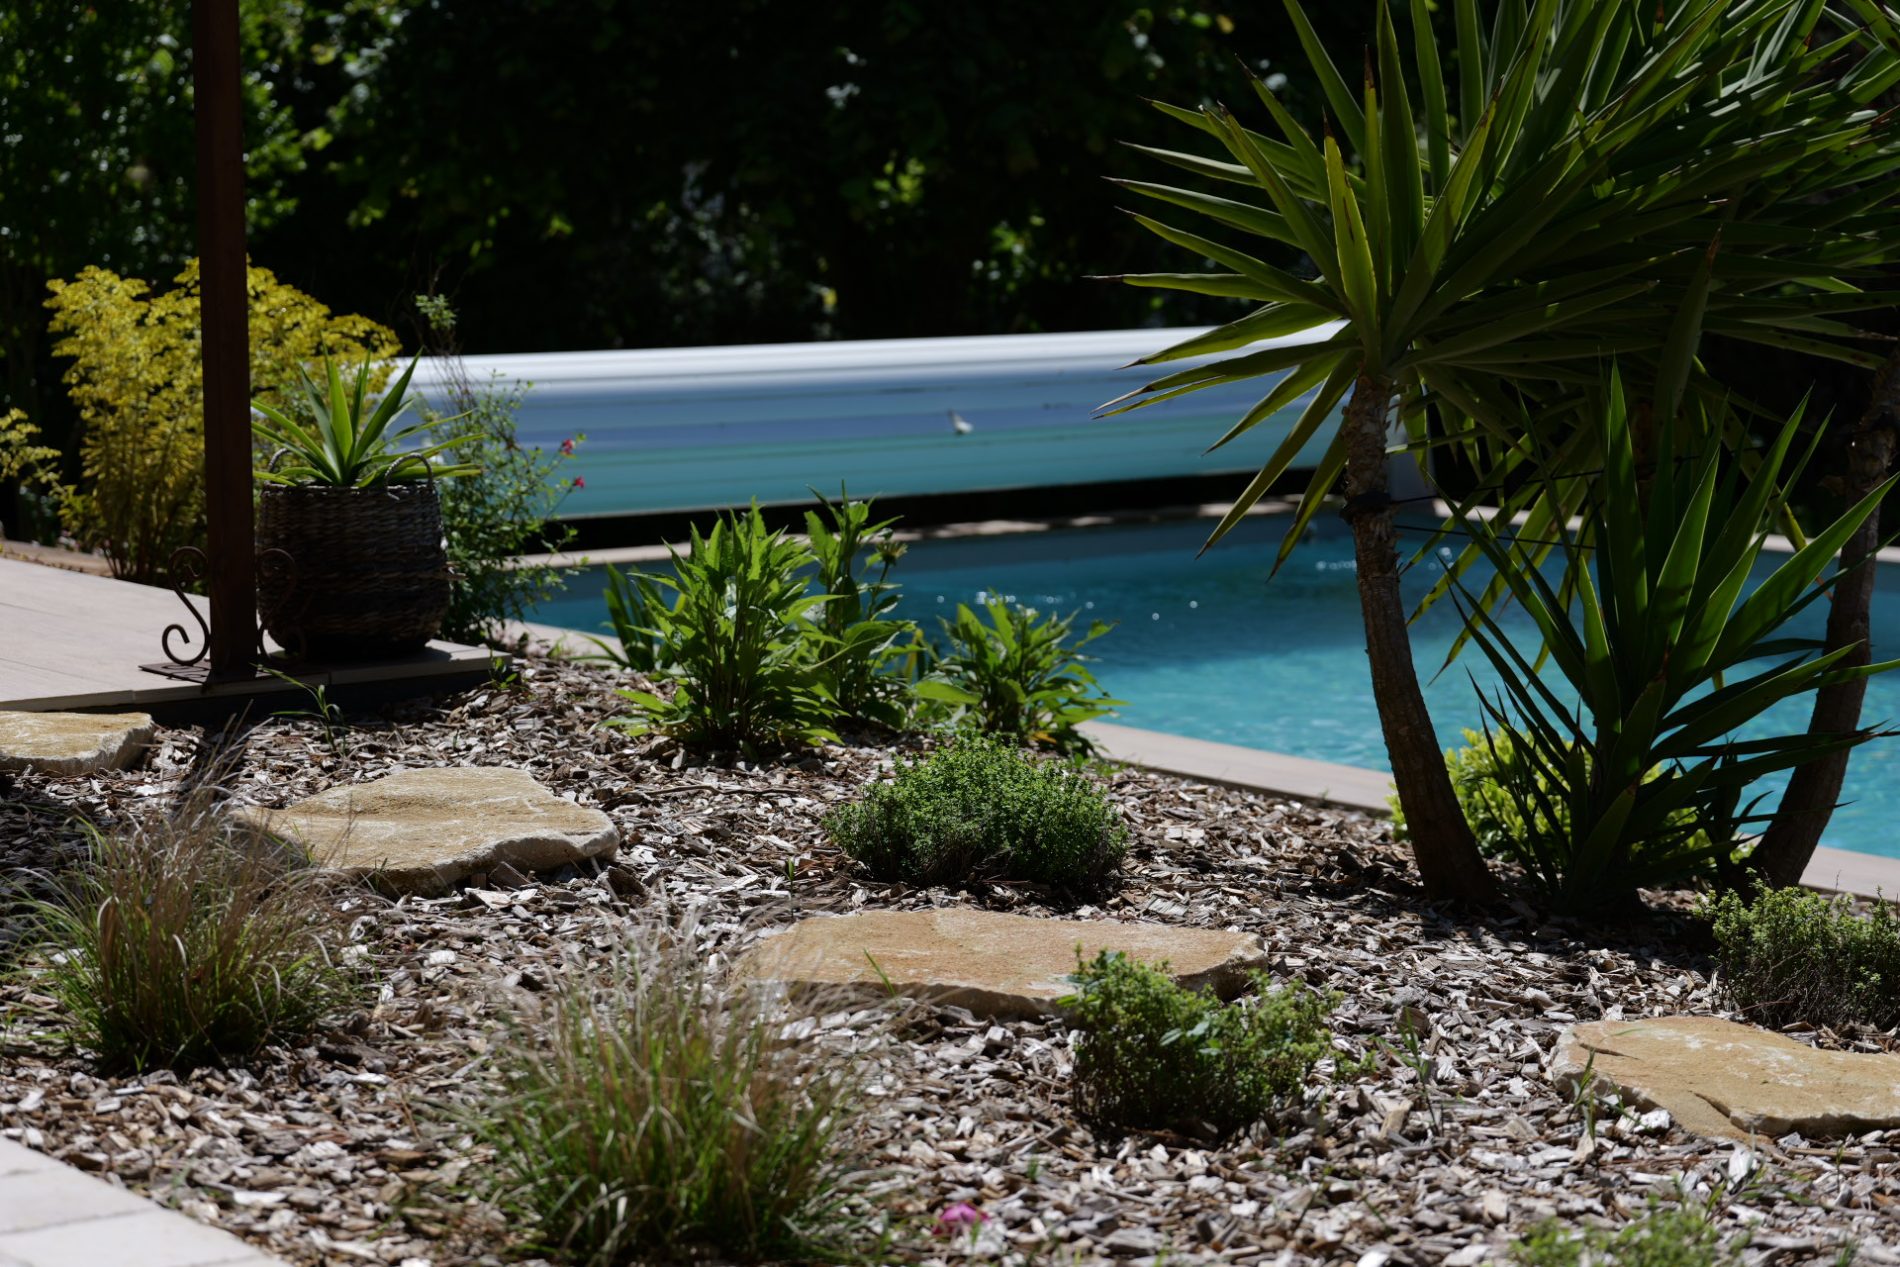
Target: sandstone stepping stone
(1722, 1079)
(994, 964)
(424, 831)
(72, 743)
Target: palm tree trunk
(1447, 856)
(1788, 845)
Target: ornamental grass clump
(1153, 1055)
(979, 809)
(190, 940)
(1788, 956)
(650, 1114)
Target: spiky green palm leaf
(1607, 178)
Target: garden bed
(349, 1148)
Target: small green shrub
(1018, 676)
(652, 1116)
(855, 641)
(1792, 956)
(188, 940)
(979, 808)
(506, 508)
(1661, 1238)
(735, 640)
(1153, 1055)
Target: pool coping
(1347, 787)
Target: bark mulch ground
(349, 1149)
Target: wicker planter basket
(367, 575)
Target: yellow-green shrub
(136, 379)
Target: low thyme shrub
(1154, 1055)
(189, 940)
(981, 809)
(1660, 1238)
(650, 1115)
(1788, 956)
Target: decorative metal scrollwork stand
(189, 569)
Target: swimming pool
(1208, 648)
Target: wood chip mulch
(348, 1149)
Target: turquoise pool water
(1209, 648)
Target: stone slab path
(993, 963)
(424, 831)
(52, 1215)
(1732, 1081)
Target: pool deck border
(54, 1215)
(1320, 782)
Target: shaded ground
(349, 1150)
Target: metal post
(225, 325)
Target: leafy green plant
(503, 509)
(980, 808)
(735, 634)
(186, 940)
(636, 607)
(1658, 1238)
(1482, 772)
(1788, 956)
(1154, 1055)
(1641, 783)
(137, 382)
(857, 641)
(652, 1114)
(343, 439)
(1018, 676)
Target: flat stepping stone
(996, 965)
(73, 743)
(425, 831)
(1730, 1081)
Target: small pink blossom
(567, 446)
(580, 481)
(960, 1217)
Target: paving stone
(44, 1198)
(1722, 1079)
(72, 743)
(152, 1237)
(994, 964)
(424, 831)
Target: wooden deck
(74, 642)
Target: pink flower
(961, 1217)
(580, 482)
(567, 446)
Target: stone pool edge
(1323, 782)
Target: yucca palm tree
(1606, 179)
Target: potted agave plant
(351, 563)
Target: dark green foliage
(1789, 956)
(505, 508)
(636, 606)
(981, 809)
(188, 941)
(1660, 1238)
(1152, 1055)
(856, 642)
(735, 635)
(1642, 782)
(652, 1116)
(1481, 773)
(1018, 676)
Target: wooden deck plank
(72, 641)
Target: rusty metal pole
(225, 330)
